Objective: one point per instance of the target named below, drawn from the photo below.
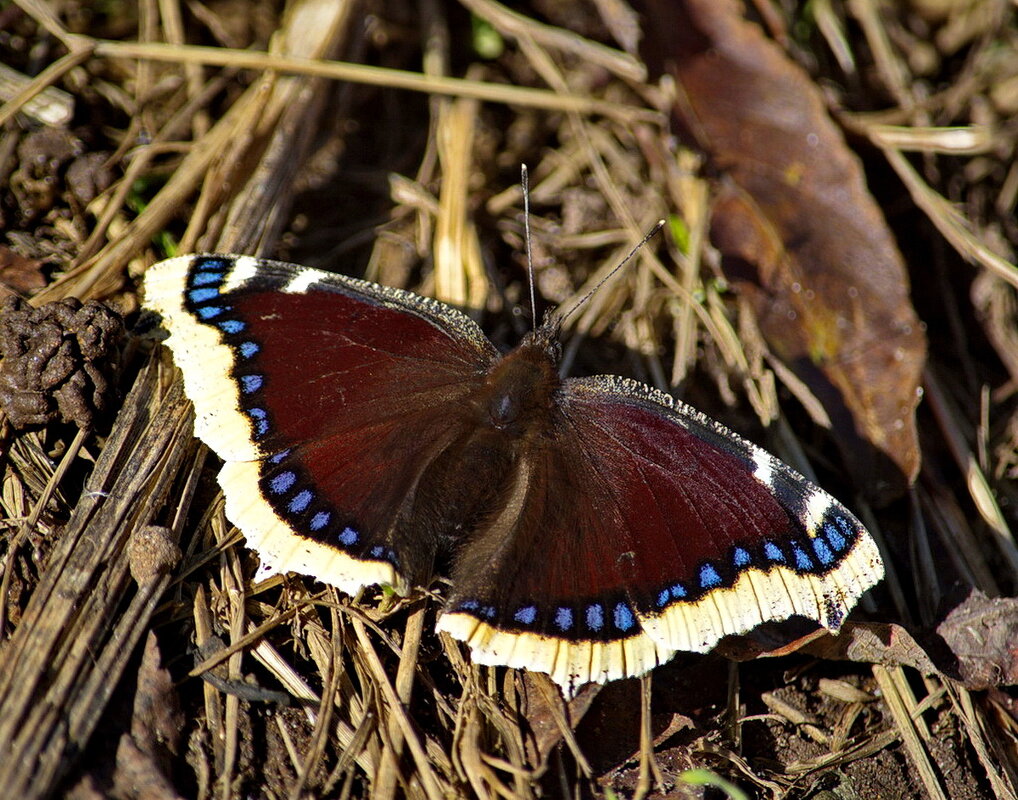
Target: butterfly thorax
(518, 393)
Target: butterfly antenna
(525, 182)
(650, 235)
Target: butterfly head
(547, 337)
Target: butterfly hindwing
(326, 397)
(661, 531)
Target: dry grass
(284, 688)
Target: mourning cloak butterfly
(595, 526)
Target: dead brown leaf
(799, 234)
(982, 632)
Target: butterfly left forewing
(327, 397)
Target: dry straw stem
(650, 771)
(304, 765)
(279, 136)
(516, 26)
(372, 76)
(831, 28)
(952, 426)
(889, 63)
(28, 524)
(958, 140)
(994, 752)
(690, 192)
(236, 621)
(32, 473)
(51, 106)
(891, 684)
(386, 785)
(398, 717)
(460, 276)
(254, 634)
(948, 219)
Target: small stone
(152, 553)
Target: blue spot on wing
(740, 557)
(823, 551)
(250, 383)
(260, 419)
(526, 615)
(215, 262)
(206, 278)
(300, 501)
(201, 295)
(283, 482)
(834, 537)
(210, 312)
(802, 559)
(563, 618)
(773, 553)
(678, 591)
(709, 577)
(349, 537)
(231, 326)
(662, 598)
(279, 457)
(623, 617)
(595, 617)
(248, 349)
(320, 520)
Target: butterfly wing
(327, 397)
(644, 528)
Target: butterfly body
(594, 526)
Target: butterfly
(593, 526)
